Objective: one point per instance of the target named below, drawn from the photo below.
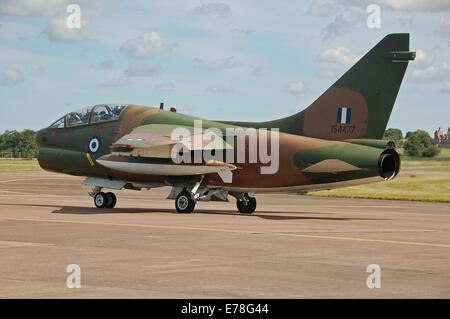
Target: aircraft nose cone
(41, 137)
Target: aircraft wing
(157, 140)
(148, 150)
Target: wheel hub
(183, 202)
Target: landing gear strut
(103, 200)
(186, 199)
(246, 204)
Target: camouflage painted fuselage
(67, 151)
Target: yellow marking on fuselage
(248, 232)
(89, 158)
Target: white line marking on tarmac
(248, 232)
(15, 244)
(27, 179)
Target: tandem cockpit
(90, 115)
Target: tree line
(418, 143)
(18, 144)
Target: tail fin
(359, 104)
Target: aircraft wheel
(100, 200)
(184, 203)
(111, 200)
(247, 205)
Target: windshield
(77, 118)
(90, 115)
(58, 123)
(102, 113)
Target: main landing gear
(185, 201)
(103, 200)
(245, 203)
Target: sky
(230, 60)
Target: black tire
(100, 200)
(247, 205)
(111, 200)
(184, 203)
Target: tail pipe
(389, 164)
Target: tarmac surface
(291, 247)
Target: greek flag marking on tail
(344, 115)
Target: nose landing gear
(185, 202)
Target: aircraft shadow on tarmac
(280, 215)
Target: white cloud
(444, 26)
(258, 70)
(321, 9)
(242, 31)
(57, 31)
(296, 87)
(106, 65)
(326, 73)
(219, 89)
(165, 87)
(341, 55)
(38, 71)
(11, 77)
(146, 46)
(218, 64)
(339, 26)
(143, 70)
(214, 8)
(423, 58)
(32, 7)
(433, 73)
(445, 87)
(404, 5)
(120, 81)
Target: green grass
(19, 165)
(444, 154)
(430, 188)
(436, 169)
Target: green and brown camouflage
(370, 87)
(336, 141)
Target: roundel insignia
(94, 145)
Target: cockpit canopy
(90, 115)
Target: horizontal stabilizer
(330, 166)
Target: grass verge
(19, 165)
(428, 188)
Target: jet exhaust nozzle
(389, 164)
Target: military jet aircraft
(336, 141)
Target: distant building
(441, 137)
